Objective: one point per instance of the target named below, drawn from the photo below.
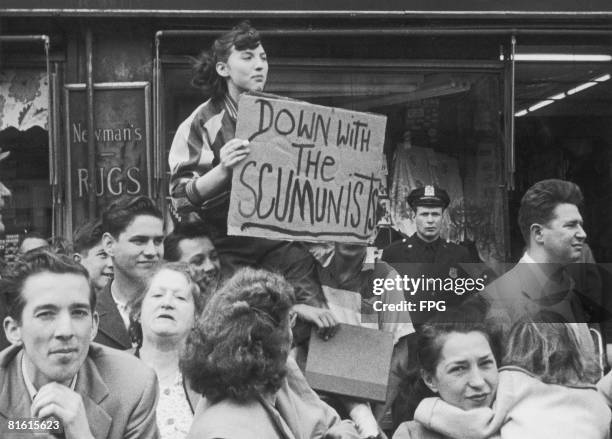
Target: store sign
(313, 172)
(122, 144)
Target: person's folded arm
(438, 415)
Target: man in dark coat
(428, 257)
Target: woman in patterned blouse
(161, 321)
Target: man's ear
(430, 381)
(222, 69)
(107, 243)
(12, 330)
(77, 257)
(535, 231)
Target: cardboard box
(355, 362)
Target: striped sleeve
(192, 155)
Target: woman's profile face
(168, 309)
(466, 374)
(245, 70)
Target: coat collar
(93, 390)
(535, 284)
(15, 400)
(111, 323)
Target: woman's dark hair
(239, 346)
(428, 346)
(433, 334)
(136, 305)
(547, 346)
(205, 76)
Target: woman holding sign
(203, 154)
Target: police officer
(428, 257)
(426, 246)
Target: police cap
(430, 196)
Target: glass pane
(570, 137)
(443, 128)
(25, 172)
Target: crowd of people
(132, 332)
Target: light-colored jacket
(119, 393)
(415, 430)
(525, 408)
(293, 412)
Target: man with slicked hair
(53, 378)
(133, 237)
(552, 226)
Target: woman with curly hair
(161, 321)
(237, 357)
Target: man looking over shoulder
(90, 253)
(133, 237)
(551, 224)
(54, 372)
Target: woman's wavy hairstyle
(205, 76)
(548, 347)
(239, 346)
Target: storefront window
(25, 172)
(443, 127)
(563, 111)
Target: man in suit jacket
(133, 237)
(551, 225)
(54, 372)
(540, 282)
(90, 253)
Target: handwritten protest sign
(313, 172)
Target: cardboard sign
(313, 172)
(354, 362)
